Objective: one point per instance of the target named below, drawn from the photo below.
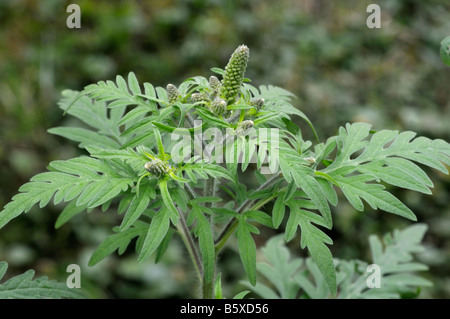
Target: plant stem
(210, 189)
(190, 245)
(232, 224)
(208, 289)
(207, 286)
(190, 190)
(226, 233)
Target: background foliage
(322, 51)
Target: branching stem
(232, 224)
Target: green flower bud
(445, 50)
(157, 167)
(218, 106)
(257, 103)
(310, 160)
(200, 97)
(214, 83)
(234, 73)
(243, 127)
(172, 93)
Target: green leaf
(241, 295)
(304, 180)
(133, 83)
(117, 94)
(205, 237)
(68, 212)
(138, 205)
(399, 172)
(289, 277)
(213, 170)
(388, 156)
(118, 241)
(84, 137)
(320, 254)
(107, 192)
(279, 269)
(239, 107)
(278, 212)
(394, 257)
(328, 190)
(159, 142)
(133, 116)
(206, 243)
(278, 100)
(266, 117)
(260, 217)
(24, 287)
(218, 70)
(211, 119)
(157, 231)
(358, 187)
(289, 191)
(162, 248)
(168, 202)
(178, 130)
(78, 177)
(218, 287)
(247, 249)
(92, 113)
(314, 239)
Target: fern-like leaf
(118, 94)
(24, 287)
(91, 181)
(396, 264)
(388, 156)
(288, 277)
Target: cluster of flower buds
(234, 73)
(310, 160)
(157, 167)
(214, 83)
(257, 103)
(200, 97)
(172, 93)
(243, 127)
(218, 106)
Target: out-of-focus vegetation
(321, 50)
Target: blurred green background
(320, 50)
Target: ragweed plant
(172, 162)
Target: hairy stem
(190, 190)
(207, 286)
(208, 289)
(190, 245)
(232, 224)
(209, 189)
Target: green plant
(289, 277)
(135, 166)
(23, 286)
